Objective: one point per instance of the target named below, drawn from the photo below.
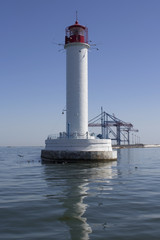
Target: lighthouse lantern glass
(76, 33)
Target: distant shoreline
(136, 146)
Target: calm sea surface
(115, 200)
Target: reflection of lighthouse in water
(76, 143)
(77, 196)
(75, 210)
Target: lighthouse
(76, 46)
(76, 144)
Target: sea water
(102, 200)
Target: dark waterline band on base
(77, 156)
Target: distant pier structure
(112, 127)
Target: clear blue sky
(124, 75)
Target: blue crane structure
(112, 127)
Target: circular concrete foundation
(74, 150)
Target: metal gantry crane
(113, 128)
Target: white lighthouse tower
(76, 45)
(76, 144)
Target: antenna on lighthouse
(76, 17)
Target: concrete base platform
(77, 156)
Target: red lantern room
(76, 33)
